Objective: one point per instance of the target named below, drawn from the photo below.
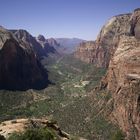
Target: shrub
(34, 134)
(15, 136)
(118, 136)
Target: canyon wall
(123, 80)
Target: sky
(62, 18)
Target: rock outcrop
(20, 125)
(123, 81)
(19, 67)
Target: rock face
(123, 80)
(107, 40)
(19, 66)
(87, 52)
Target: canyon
(93, 93)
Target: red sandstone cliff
(123, 81)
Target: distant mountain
(68, 45)
(53, 42)
(48, 46)
(20, 68)
(40, 45)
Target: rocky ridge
(40, 45)
(20, 69)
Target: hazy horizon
(62, 18)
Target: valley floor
(70, 100)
